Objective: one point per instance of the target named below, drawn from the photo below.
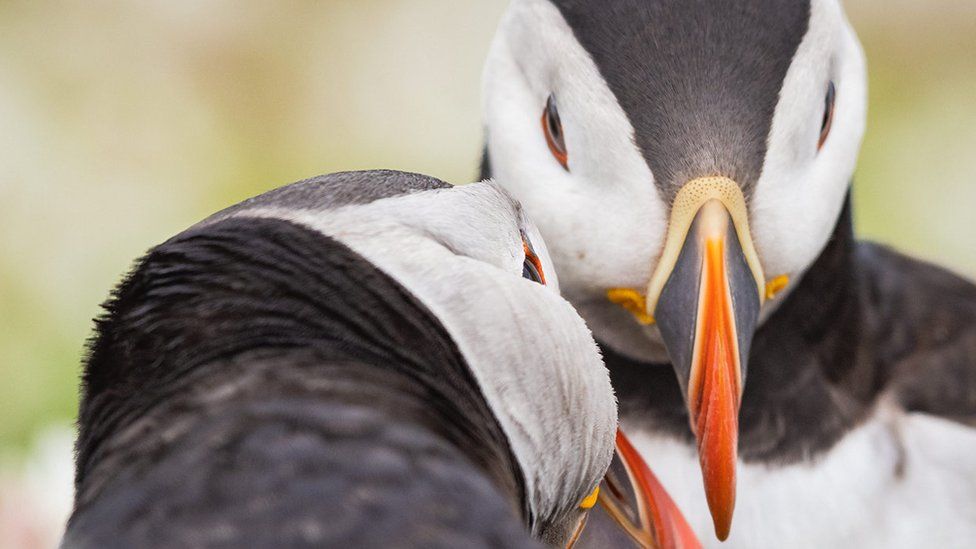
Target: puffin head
(686, 162)
(476, 262)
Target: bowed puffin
(362, 359)
(689, 164)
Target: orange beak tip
(720, 494)
(722, 532)
(717, 429)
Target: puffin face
(686, 162)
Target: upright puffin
(355, 360)
(689, 164)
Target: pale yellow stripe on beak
(692, 196)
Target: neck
(800, 357)
(217, 304)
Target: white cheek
(604, 220)
(800, 194)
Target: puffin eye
(553, 129)
(531, 265)
(828, 117)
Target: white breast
(899, 480)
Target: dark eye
(531, 266)
(828, 117)
(553, 129)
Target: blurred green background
(121, 123)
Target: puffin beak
(639, 509)
(707, 313)
(705, 297)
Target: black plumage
(256, 383)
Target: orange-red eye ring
(553, 128)
(532, 267)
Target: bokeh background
(121, 123)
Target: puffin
(363, 359)
(690, 164)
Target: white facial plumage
(604, 217)
(801, 190)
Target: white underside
(852, 496)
